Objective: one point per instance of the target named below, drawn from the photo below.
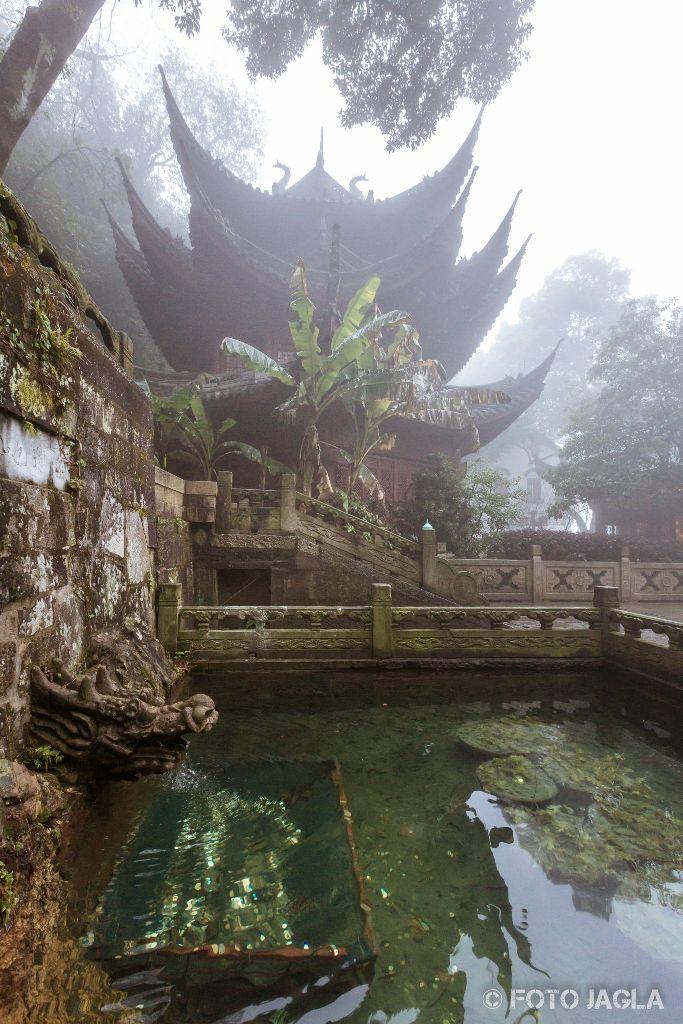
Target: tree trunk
(310, 469)
(36, 56)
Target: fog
(587, 128)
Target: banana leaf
(370, 482)
(248, 451)
(353, 347)
(358, 309)
(254, 359)
(303, 330)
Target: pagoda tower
(233, 277)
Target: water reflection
(251, 849)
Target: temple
(233, 277)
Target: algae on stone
(516, 779)
(624, 835)
(508, 734)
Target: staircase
(338, 546)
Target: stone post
(536, 574)
(605, 598)
(625, 575)
(122, 350)
(288, 514)
(382, 635)
(430, 567)
(126, 355)
(223, 501)
(168, 606)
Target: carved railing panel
(649, 628)
(570, 579)
(656, 581)
(651, 645)
(496, 578)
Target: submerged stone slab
(516, 779)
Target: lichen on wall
(76, 472)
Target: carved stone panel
(565, 580)
(657, 581)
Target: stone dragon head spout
(111, 729)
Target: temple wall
(76, 473)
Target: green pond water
(447, 843)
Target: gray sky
(589, 128)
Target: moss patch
(516, 780)
(508, 735)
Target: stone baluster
(382, 633)
(536, 574)
(625, 574)
(430, 567)
(606, 598)
(223, 501)
(289, 519)
(168, 608)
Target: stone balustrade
(532, 581)
(191, 500)
(597, 634)
(540, 580)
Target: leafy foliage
(167, 410)
(393, 383)
(398, 65)
(468, 510)
(319, 378)
(42, 758)
(9, 897)
(401, 66)
(624, 446)
(205, 447)
(108, 105)
(567, 546)
(355, 506)
(374, 383)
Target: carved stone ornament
(112, 730)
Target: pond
(394, 847)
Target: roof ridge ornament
(278, 187)
(320, 162)
(353, 186)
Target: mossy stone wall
(76, 472)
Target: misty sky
(589, 129)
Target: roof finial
(320, 162)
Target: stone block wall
(174, 556)
(76, 472)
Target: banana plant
(204, 446)
(167, 411)
(399, 384)
(320, 378)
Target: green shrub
(8, 897)
(577, 547)
(42, 758)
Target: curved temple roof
(233, 279)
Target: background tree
(111, 105)
(624, 445)
(578, 302)
(399, 65)
(469, 511)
